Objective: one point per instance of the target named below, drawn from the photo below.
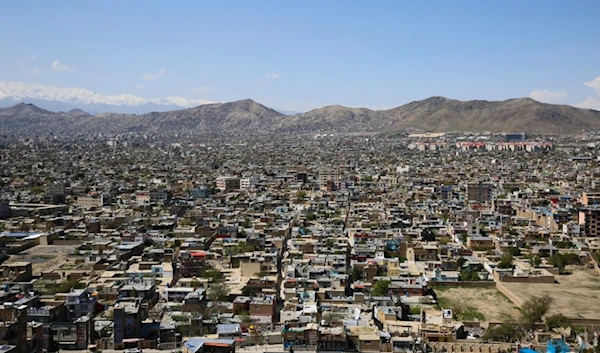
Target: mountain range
(248, 117)
(64, 99)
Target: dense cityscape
(412, 242)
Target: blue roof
(527, 350)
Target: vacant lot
(484, 304)
(44, 257)
(576, 295)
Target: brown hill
(248, 117)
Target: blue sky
(299, 55)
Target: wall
(470, 284)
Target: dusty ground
(576, 295)
(43, 257)
(485, 304)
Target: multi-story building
(247, 183)
(327, 174)
(13, 326)
(73, 335)
(193, 263)
(590, 198)
(228, 184)
(128, 316)
(590, 218)
(160, 196)
(80, 303)
(482, 192)
(94, 199)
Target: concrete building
(228, 184)
(482, 192)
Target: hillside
(521, 114)
(249, 117)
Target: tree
(212, 274)
(357, 274)
(246, 318)
(535, 261)
(562, 260)
(534, 309)
(507, 332)
(514, 251)
(558, 320)
(217, 292)
(247, 223)
(381, 288)
(427, 235)
(460, 262)
(506, 261)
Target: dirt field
(485, 304)
(576, 295)
(43, 257)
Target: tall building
(228, 184)
(482, 192)
(590, 217)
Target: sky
(301, 55)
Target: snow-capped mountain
(59, 98)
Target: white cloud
(153, 75)
(58, 66)
(592, 102)
(140, 86)
(594, 84)
(31, 57)
(22, 90)
(204, 89)
(258, 80)
(548, 96)
(273, 76)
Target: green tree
(357, 274)
(218, 292)
(514, 251)
(381, 288)
(506, 261)
(427, 235)
(534, 309)
(246, 318)
(558, 320)
(562, 260)
(212, 274)
(247, 223)
(507, 332)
